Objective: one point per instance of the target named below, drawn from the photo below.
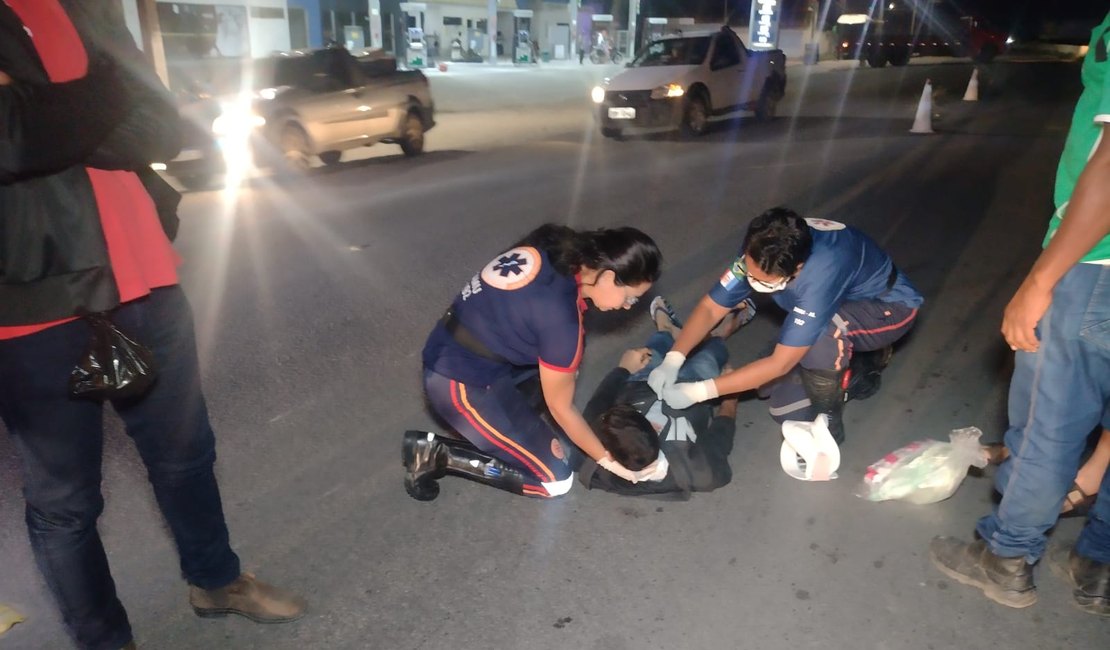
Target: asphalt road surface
(313, 299)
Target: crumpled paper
(8, 618)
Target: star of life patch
(513, 269)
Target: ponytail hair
(629, 253)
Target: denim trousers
(1058, 395)
(704, 362)
(59, 441)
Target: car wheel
(876, 58)
(611, 133)
(330, 158)
(196, 183)
(295, 149)
(695, 116)
(412, 137)
(767, 105)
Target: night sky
(1023, 18)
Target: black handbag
(113, 366)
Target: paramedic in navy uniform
(520, 312)
(842, 295)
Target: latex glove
(613, 467)
(686, 394)
(666, 374)
(656, 471)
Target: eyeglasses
(778, 285)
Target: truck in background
(893, 32)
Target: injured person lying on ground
(688, 448)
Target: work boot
(827, 392)
(1090, 579)
(429, 457)
(1005, 580)
(867, 372)
(249, 597)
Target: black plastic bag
(113, 366)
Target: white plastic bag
(925, 471)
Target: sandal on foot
(1080, 502)
(660, 303)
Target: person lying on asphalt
(690, 446)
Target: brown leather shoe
(130, 646)
(1005, 580)
(249, 597)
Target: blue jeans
(1058, 395)
(704, 362)
(60, 439)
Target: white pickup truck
(679, 81)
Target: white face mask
(764, 287)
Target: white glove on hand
(686, 394)
(666, 374)
(613, 467)
(657, 471)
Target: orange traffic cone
(923, 121)
(972, 93)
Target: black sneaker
(1090, 579)
(867, 372)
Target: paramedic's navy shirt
(845, 265)
(519, 307)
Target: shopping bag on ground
(925, 471)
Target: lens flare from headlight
(597, 94)
(670, 91)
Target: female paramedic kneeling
(521, 312)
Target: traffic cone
(923, 121)
(972, 93)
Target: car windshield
(674, 51)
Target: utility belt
(466, 338)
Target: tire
(330, 158)
(900, 57)
(876, 58)
(768, 102)
(594, 58)
(987, 54)
(611, 133)
(196, 183)
(616, 57)
(412, 134)
(295, 152)
(695, 116)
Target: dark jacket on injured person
(695, 441)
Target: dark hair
(629, 253)
(778, 241)
(628, 437)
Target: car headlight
(668, 91)
(1009, 40)
(597, 94)
(236, 123)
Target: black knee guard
(827, 391)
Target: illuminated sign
(763, 30)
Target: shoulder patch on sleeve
(513, 269)
(825, 224)
(733, 275)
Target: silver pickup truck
(288, 109)
(680, 80)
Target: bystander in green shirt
(1092, 112)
